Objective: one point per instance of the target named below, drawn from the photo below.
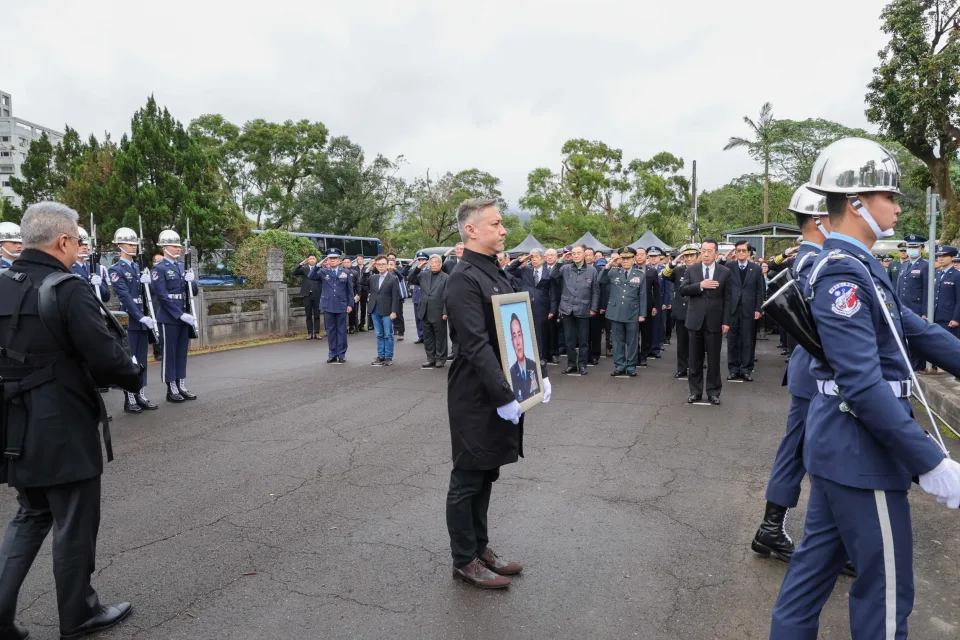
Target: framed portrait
(518, 347)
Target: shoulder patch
(114, 276)
(845, 301)
(156, 275)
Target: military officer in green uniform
(626, 308)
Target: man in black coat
(707, 285)
(451, 261)
(486, 422)
(746, 299)
(652, 277)
(310, 291)
(51, 370)
(432, 310)
(533, 275)
(689, 254)
(360, 268)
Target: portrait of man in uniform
(521, 362)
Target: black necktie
(536, 277)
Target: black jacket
(477, 384)
(539, 292)
(746, 298)
(307, 286)
(680, 303)
(62, 417)
(384, 301)
(433, 291)
(653, 290)
(450, 264)
(708, 308)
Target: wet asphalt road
(297, 499)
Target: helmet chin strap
(862, 210)
(826, 234)
(170, 255)
(129, 254)
(4, 252)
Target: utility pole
(693, 221)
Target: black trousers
(683, 348)
(73, 511)
(435, 340)
(712, 341)
(595, 331)
(398, 324)
(362, 318)
(668, 323)
(311, 307)
(608, 339)
(576, 331)
(741, 344)
(551, 338)
(646, 337)
(468, 500)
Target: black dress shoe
(748, 377)
(693, 399)
(569, 370)
(849, 570)
(341, 360)
(643, 363)
(108, 617)
(666, 342)
(680, 375)
(428, 365)
(632, 374)
(109, 418)
(440, 364)
(617, 372)
(13, 632)
(583, 371)
(182, 387)
(128, 407)
(733, 376)
(419, 341)
(173, 393)
(555, 360)
(784, 353)
(593, 362)
(144, 403)
(331, 360)
(714, 399)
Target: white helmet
(169, 238)
(125, 235)
(855, 165)
(10, 232)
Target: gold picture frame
(509, 308)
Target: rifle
(188, 294)
(94, 257)
(152, 337)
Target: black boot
(182, 385)
(772, 538)
(130, 403)
(143, 402)
(173, 393)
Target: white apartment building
(15, 138)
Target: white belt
(901, 389)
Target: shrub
(250, 259)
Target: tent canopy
(528, 245)
(591, 242)
(650, 239)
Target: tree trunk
(940, 172)
(766, 189)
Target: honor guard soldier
(914, 278)
(169, 281)
(626, 308)
(673, 273)
(896, 267)
(126, 278)
(336, 301)
(10, 244)
(861, 445)
(90, 273)
(946, 309)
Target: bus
(350, 245)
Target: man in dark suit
(746, 299)
(432, 310)
(384, 307)
(523, 373)
(533, 276)
(652, 279)
(707, 285)
(451, 261)
(310, 291)
(361, 269)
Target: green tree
(740, 204)
(250, 258)
(220, 140)
(765, 133)
(914, 96)
(41, 179)
(798, 144)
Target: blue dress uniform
(169, 288)
(860, 468)
(5, 264)
(125, 277)
(82, 269)
(912, 287)
(336, 295)
(946, 297)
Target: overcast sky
(499, 85)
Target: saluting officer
(914, 278)
(947, 300)
(336, 301)
(169, 286)
(90, 273)
(673, 273)
(626, 308)
(126, 278)
(861, 445)
(10, 244)
(654, 253)
(419, 263)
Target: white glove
(547, 390)
(188, 276)
(145, 277)
(511, 412)
(943, 482)
(189, 319)
(96, 281)
(148, 322)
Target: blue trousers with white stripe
(138, 348)
(873, 527)
(176, 343)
